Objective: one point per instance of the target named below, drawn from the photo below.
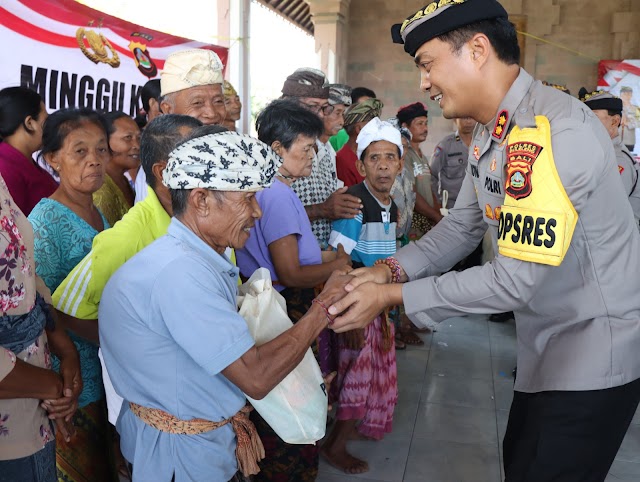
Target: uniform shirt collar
(498, 128)
(219, 262)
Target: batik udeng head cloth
(340, 94)
(228, 89)
(306, 82)
(226, 161)
(363, 112)
(190, 68)
(377, 130)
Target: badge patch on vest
(534, 225)
(521, 157)
(476, 152)
(494, 165)
(501, 124)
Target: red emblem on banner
(501, 124)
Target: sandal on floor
(410, 338)
(409, 325)
(400, 345)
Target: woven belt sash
(249, 449)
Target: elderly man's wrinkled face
(204, 102)
(380, 166)
(234, 107)
(334, 121)
(233, 218)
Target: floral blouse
(24, 426)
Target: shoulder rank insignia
(476, 152)
(521, 157)
(488, 211)
(498, 210)
(501, 124)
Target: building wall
(598, 29)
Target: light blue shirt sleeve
(199, 315)
(346, 232)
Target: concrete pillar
(330, 19)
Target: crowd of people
(122, 352)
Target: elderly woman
(22, 114)
(116, 195)
(175, 302)
(75, 145)
(32, 396)
(283, 242)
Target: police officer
(608, 109)
(568, 251)
(449, 161)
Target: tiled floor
(455, 394)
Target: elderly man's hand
(341, 205)
(363, 304)
(334, 289)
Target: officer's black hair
(151, 90)
(284, 120)
(500, 32)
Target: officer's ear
(480, 49)
(616, 120)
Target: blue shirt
(168, 327)
(282, 215)
(371, 235)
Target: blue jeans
(39, 467)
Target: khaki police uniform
(577, 306)
(448, 166)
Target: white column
(330, 19)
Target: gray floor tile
(627, 471)
(469, 325)
(503, 347)
(325, 476)
(404, 416)
(503, 368)
(460, 344)
(387, 459)
(502, 417)
(412, 366)
(503, 394)
(460, 364)
(458, 391)
(437, 461)
(456, 424)
(630, 449)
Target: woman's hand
(66, 406)
(334, 289)
(65, 429)
(343, 260)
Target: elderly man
(78, 296)
(173, 341)
(190, 84)
(233, 105)
(568, 250)
(319, 192)
(340, 99)
(355, 118)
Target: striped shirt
(372, 234)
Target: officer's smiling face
(447, 77)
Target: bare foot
(355, 435)
(345, 461)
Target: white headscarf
(377, 130)
(190, 68)
(226, 161)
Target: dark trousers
(567, 436)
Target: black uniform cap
(601, 100)
(440, 17)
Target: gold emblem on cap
(594, 94)
(100, 46)
(428, 10)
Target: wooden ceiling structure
(296, 11)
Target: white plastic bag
(296, 408)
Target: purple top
(282, 214)
(28, 183)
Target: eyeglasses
(326, 109)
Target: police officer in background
(608, 109)
(568, 251)
(449, 161)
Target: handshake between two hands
(356, 296)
